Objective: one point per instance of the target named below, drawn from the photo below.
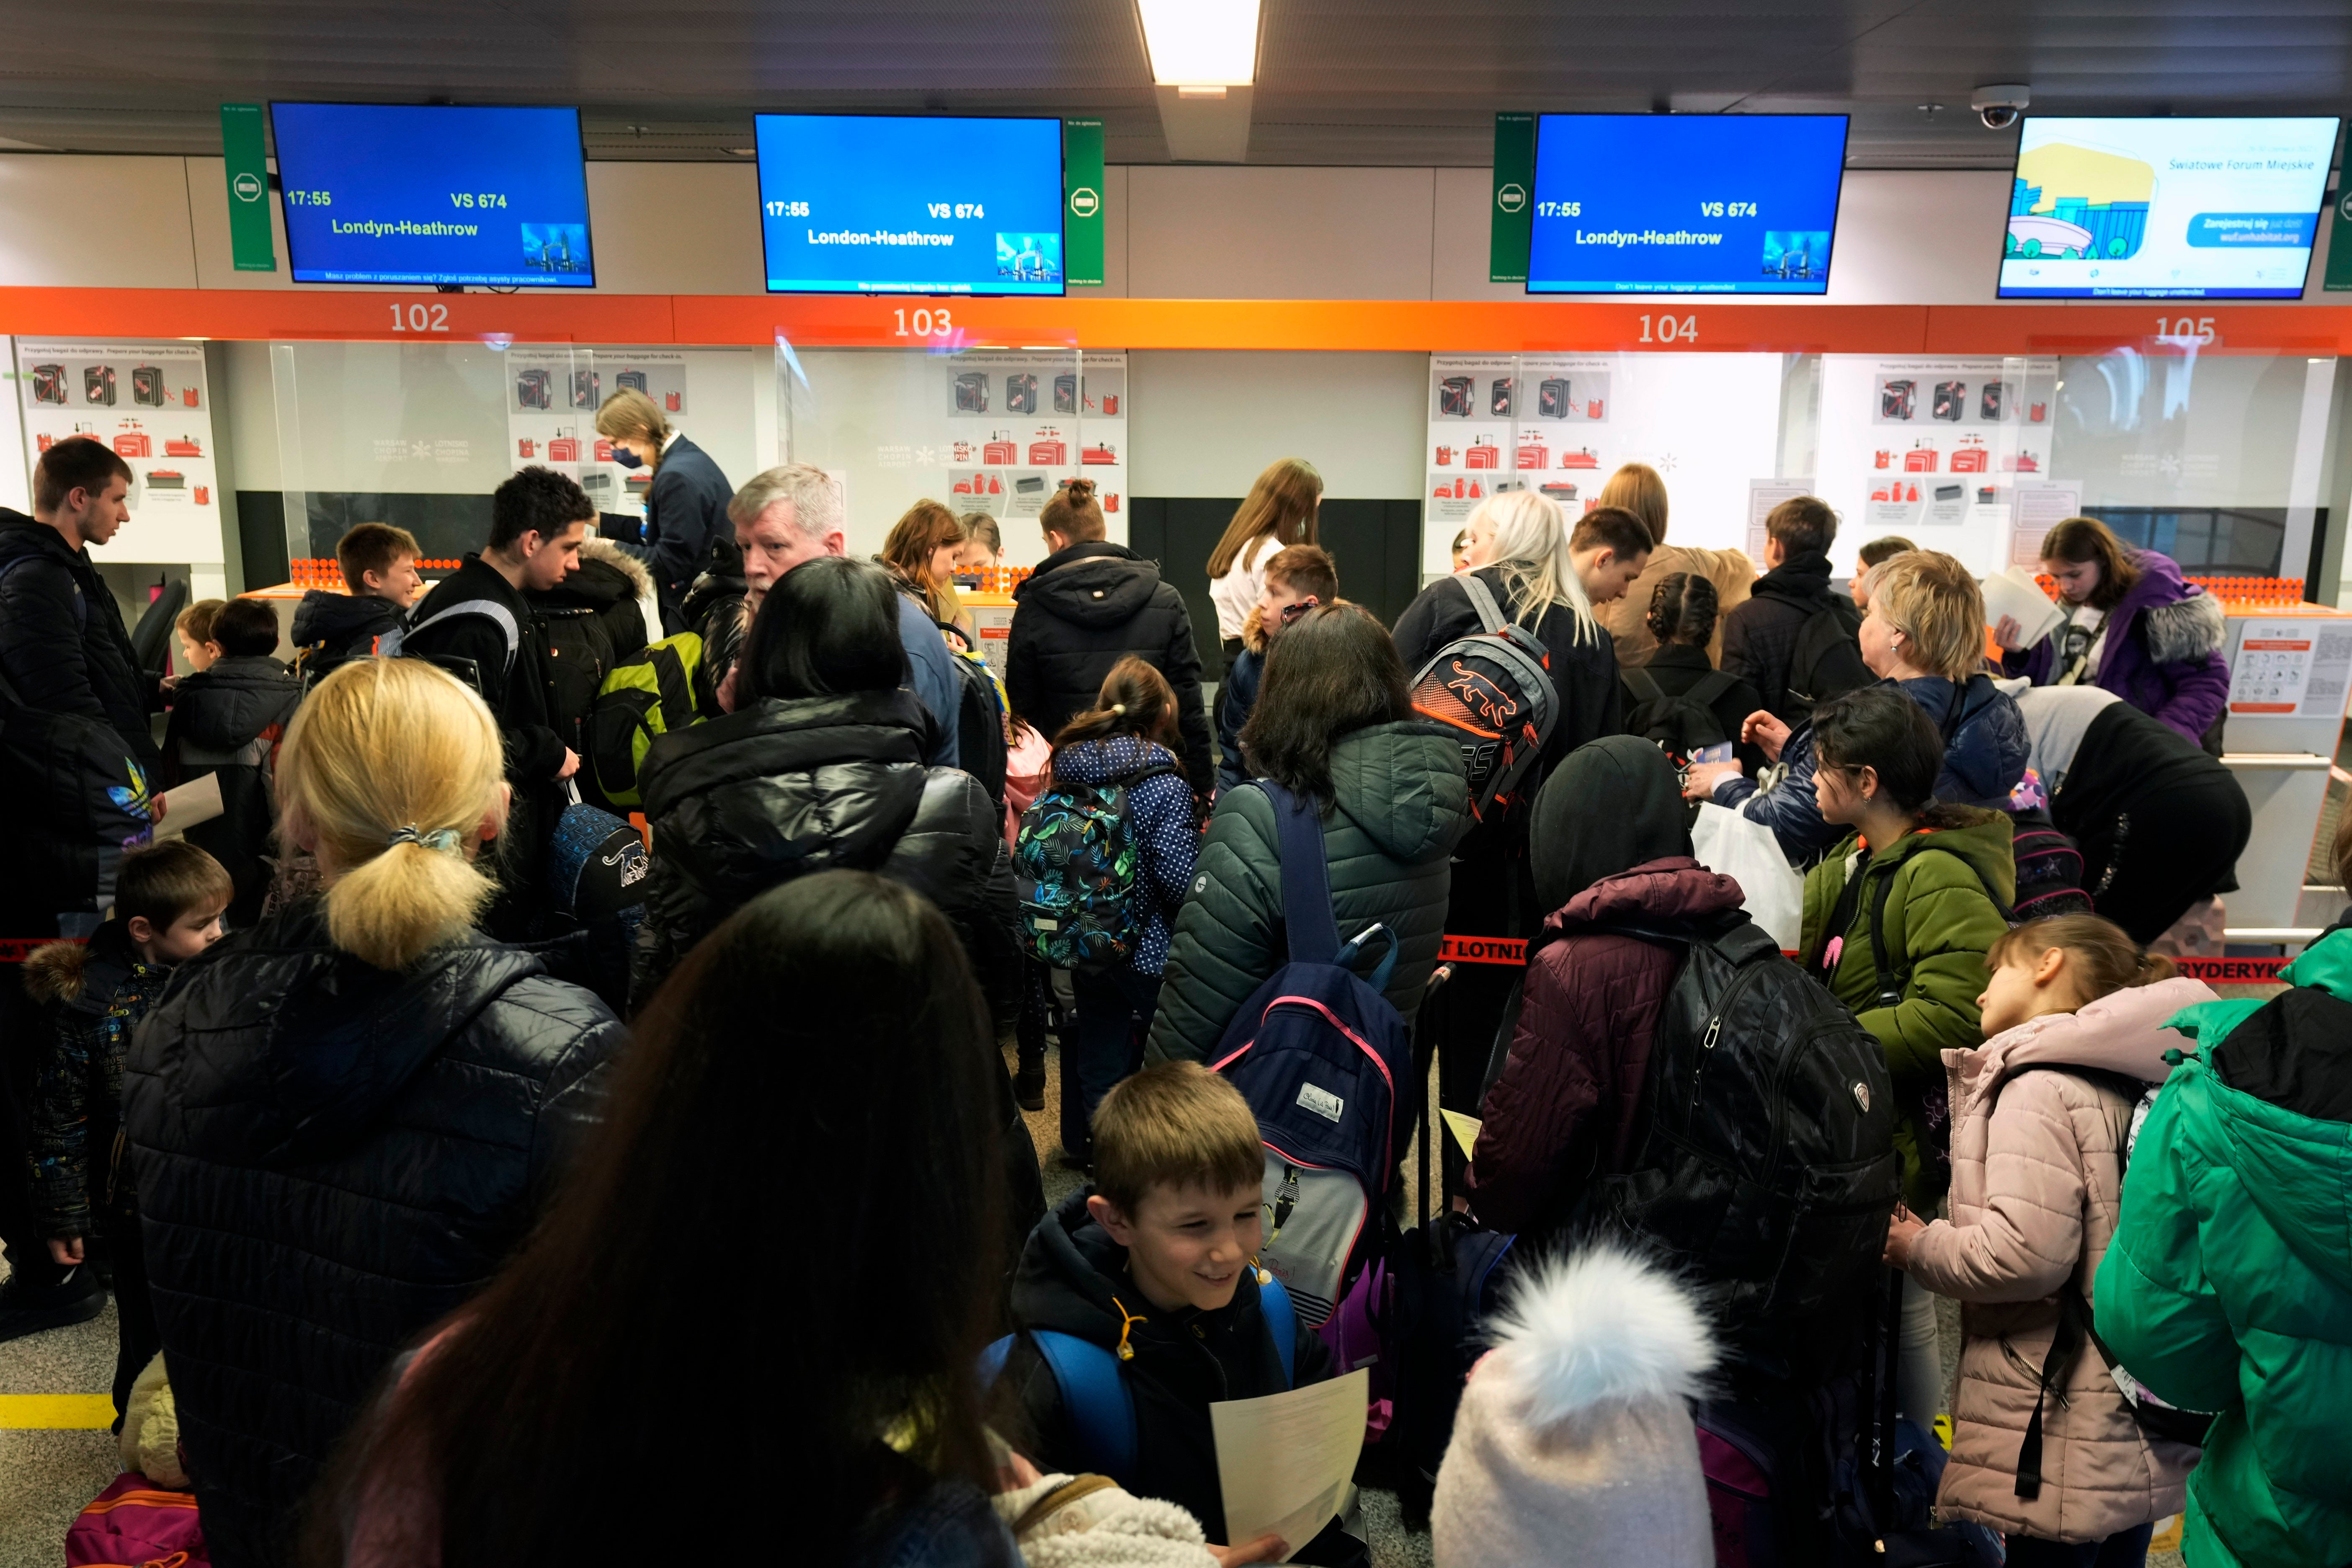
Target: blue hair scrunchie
(442, 839)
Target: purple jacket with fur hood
(2163, 652)
(2037, 1186)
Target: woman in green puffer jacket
(1332, 720)
(2228, 1284)
(1897, 921)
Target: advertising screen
(1684, 204)
(405, 193)
(853, 204)
(2165, 208)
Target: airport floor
(48, 1470)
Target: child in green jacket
(2228, 1284)
(1897, 921)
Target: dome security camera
(1999, 105)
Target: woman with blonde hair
(343, 1121)
(1280, 510)
(920, 551)
(685, 527)
(1642, 490)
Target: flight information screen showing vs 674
(1684, 204)
(379, 192)
(853, 204)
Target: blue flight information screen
(409, 194)
(856, 204)
(1684, 204)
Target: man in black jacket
(478, 615)
(1090, 603)
(1761, 638)
(64, 654)
(686, 525)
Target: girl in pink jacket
(2041, 1116)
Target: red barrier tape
(1508, 949)
(17, 948)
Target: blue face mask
(627, 459)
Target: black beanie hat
(1613, 806)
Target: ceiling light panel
(1201, 43)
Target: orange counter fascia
(1500, 327)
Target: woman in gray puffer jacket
(1332, 720)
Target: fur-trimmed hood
(2185, 629)
(641, 581)
(53, 974)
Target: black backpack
(1825, 661)
(1493, 689)
(1766, 1166)
(1682, 726)
(580, 656)
(980, 749)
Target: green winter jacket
(1940, 918)
(1401, 802)
(2229, 1285)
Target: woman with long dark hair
(787, 1253)
(2133, 625)
(820, 765)
(1334, 727)
(1280, 510)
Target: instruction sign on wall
(149, 402)
(2297, 667)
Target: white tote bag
(1723, 840)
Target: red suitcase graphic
(1096, 455)
(1053, 453)
(1583, 457)
(1968, 461)
(526, 447)
(182, 447)
(1532, 456)
(564, 450)
(133, 444)
(1445, 457)
(2023, 463)
(1919, 460)
(1481, 456)
(1593, 409)
(603, 450)
(1001, 448)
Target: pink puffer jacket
(2036, 1186)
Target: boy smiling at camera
(1156, 1264)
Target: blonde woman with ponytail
(343, 1121)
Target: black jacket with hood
(1759, 637)
(228, 720)
(515, 680)
(341, 626)
(686, 525)
(1072, 1279)
(1083, 610)
(330, 1158)
(780, 788)
(63, 646)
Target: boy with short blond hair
(1156, 1266)
(379, 565)
(1297, 579)
(168, 902)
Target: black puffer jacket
(228, 720)
(1759, 637)
(330, 1158)
(64, 656)
(1086, 608)
(341, 626)
(745, 802)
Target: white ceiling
(1401, 82)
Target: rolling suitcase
(1552, 398)
(1065, 392)
(1021, 394)
(634, 380)
(49, 383)
(1454, 394)
(532, 390)
(1001, 448)
(586, 384)
(1919, 460)
(1898, 399)
(971, 392)
(1481, 456)
(133, 444)
(1969, 459)
(1532, 455)
(563, 448)
(1951, 400)
(1052, 452)
(98, 385)
(1993, 404)
(147, 387)
(1505, 397)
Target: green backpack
(664, 688)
